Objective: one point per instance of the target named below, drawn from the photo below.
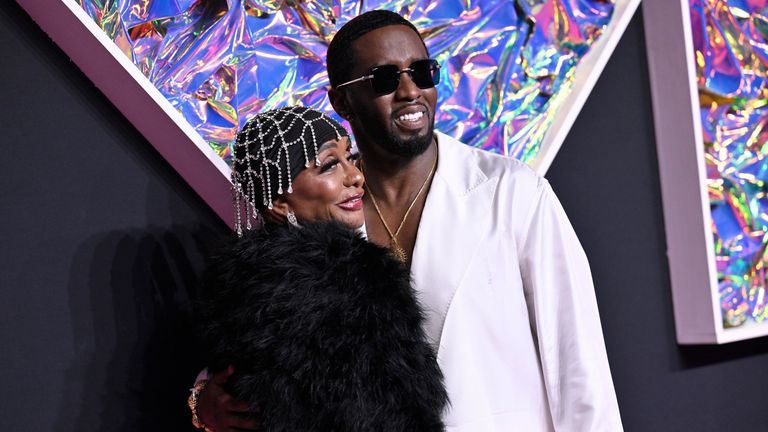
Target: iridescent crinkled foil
(507, 64)
(731, 48)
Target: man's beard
(410, 147)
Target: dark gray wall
(102, 244)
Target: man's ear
(339, 102)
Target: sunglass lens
(385, 79)
(426, 73)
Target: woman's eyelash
(331, 163)
(328, 165)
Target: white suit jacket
(509, 300)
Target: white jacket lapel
(455, 215)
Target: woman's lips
(354, 203)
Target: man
(505, 284)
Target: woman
(321, 328)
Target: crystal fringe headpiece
(261, 156)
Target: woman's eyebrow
(325, 146)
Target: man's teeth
(411, 117)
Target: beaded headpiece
(270, 151)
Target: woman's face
(332, 190)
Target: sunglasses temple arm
(362, 78)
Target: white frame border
(680, 148)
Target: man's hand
(219, 411)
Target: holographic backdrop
(507, 65)
(730, 40)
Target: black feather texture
(324, 332)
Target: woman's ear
(339, 103)
(280, 209)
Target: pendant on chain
(398, 252)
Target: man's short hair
(339, 57)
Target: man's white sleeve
(564, 318)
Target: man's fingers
(241, 422)
(221, 377)
(236, 406)
(222, 412)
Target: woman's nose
(354, 176)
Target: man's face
(400, 123)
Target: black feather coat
(324, 332)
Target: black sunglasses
(385, 78)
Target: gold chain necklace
(398, 251)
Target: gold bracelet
(192, 402)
